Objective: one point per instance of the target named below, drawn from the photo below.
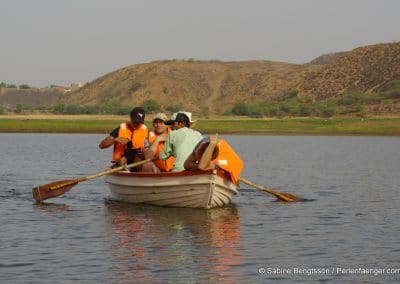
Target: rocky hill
(214, 87)
(327, 58)
(364, 69)
(29, 97)
(199, 86)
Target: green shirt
(180, 144)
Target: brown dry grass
(364, 69)
(200, 87)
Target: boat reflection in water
(173, 244)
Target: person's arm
(113, 137)
(150, 153)
(106, 142)
(205, 160)
(168, 147)
(191, 163)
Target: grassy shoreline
(385, 126)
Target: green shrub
(72, 109)
(227, 112)
(2, 110)
(325, 110)
(205, 111)
(5, 85)
(174, 108)
(58, 109)
(121, 110)
(280, 114)
(151, 106)
(291, 94)
(42, 108)
(241, 108)
(18, 108)
(24, 86)
(113, 107)
(361, 113)
(359, 98)
(89, 110)
(391, 86)
(106, 95)
(135, 86)
(349, 99)
(255, 114)
(307, 99)
(305, 110)
(290, 108)
(269, 108)
(392, 94)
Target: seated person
(181, 140)
(155, 143)
(211, 153)
(128, 139)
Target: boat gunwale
(170, 174)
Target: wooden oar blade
(53, 189)
(287, 197)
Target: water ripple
(352, 222)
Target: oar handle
(133, 165)
(246, 181)
(287, 197)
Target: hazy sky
(45, 42)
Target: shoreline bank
(378, 126)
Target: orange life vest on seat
(229, 161)
(136, 136)
(164, 165)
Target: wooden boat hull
(182, 189)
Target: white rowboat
(179, 189)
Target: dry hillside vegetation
(214, 87)
(199, 86)
(31, 97)
(363, 81)
(365, 69)
(327, 58)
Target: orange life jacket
(164, 165)
(137, 137)
(229, 161)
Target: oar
(287, 197)
(58, 188)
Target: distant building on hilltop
(75, 86)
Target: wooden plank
(141, 198)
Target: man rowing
(128, 139)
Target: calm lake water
(352, 223)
